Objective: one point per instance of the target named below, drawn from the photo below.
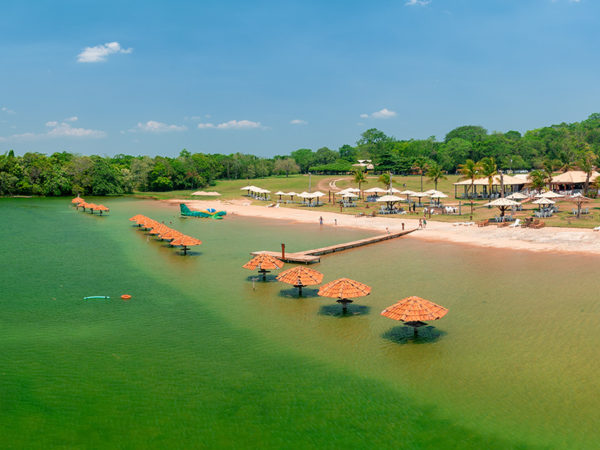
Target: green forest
(556, 147)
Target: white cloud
(100, 53)
(72, 119)
(381, 114)
(239, 124)
(7, 110)
(232, 125)
(57, 130)
(152, 126)
(66, 130)
(417, 2)
(298, 122)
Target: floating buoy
(125, 297)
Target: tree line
(547, 149)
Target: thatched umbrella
(300, 276)
(389, 199)
(517, 196)
(280, 194)
(579, 199)
(502, 204)
(343, 289)
(265, 264)
(291, 194)
(543, 201)
(170, 234)
(414, 311)
(549, 194)
(185, 242)
(137, 219)
(101, 208)
(77, 200)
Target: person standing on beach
(321, 220)
(420, 223)
(424, 223)
(335, 220)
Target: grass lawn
(230, 189)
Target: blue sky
(268, 77)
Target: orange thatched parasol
(300, 276)
(159, 229)
(83, 205)
(170, 234)
(77, 200)
(92, 207)
(185, 242)
(265, 263)
(343, 289)
(414, 311)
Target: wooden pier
(313, 256)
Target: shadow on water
(293, 293)
(338, 311)
(404, 335)
(259, 278)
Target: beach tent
(300, 276)
(343, 290)
(414, 312)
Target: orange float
(125, 297)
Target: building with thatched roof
(511, 184)
(573, 179)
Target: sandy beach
(571, 240)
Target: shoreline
(550, 240)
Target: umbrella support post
(415, 332)
(299, 290)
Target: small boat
(96, 297)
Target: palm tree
(489, 169)
(435, 173)
(586, 163)
(420, 164)
(360, 177)
(470, 170)
(386, 180)
(537, 179)
(547, 172)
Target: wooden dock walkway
(313, 256)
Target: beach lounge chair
(515, 224)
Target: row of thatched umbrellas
(165, 233)
(543, 199)
(413, 311)
(78, 202)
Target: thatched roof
(344, 288)
(502, 202)
(414, 309)
(389, 198)
(517, 196)
(574, 177)
(301, 276)
(544, 201)
(508, 181)
(265, 261)
(186, 241)
(77, 200)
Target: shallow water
(203, 356)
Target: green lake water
(203, 357)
